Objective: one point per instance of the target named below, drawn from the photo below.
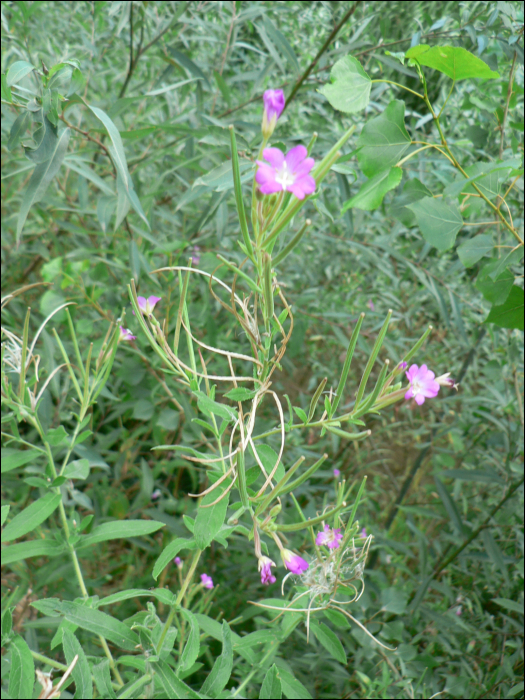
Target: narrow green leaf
(450, 506)
(439, 222)
(474, 249)
(5, 513)
(349, 90)
(81, 672)
(41, 179)
(27, 550)
(292, 688)
(188, 65)
(329, 640)
(383, 140)
(117, 529)
(11, 458)
(454, 61)
(510, 313)
(18, 129)
(92, 620)
(240, 394)
(222, 668)
(102, 677)
(162, 594)
(174, 687)
(22, 673)
(209, 406)
(511, 605)
(271, 687)
(210, 520)
(281, 41)
(373, 191)
(16, 72)
(192, 646)
(170, 552)
(31, 517)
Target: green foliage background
(444, 583)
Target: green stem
(404, 87)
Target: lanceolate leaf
(373, 191)
(22, 674)
(81, 672)
(119, 529)
(27, 550)
(221, 671)
(349, 90)
(18, 130)
(210, 520)
(17, 71)
(31, 517)
(383, 140)
(41, 178)
(170, 552)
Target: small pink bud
(206, 581)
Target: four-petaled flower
(265, 569)
(329, 537)
(286, 173)
(273, 108)
(147, 305)
(293, 562)
(206, 581)
(423, 384)
(125, 334)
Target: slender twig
(321, 51)
(507, 101)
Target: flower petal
(274, 156)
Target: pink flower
(446, 380)
(459, 610)
(273, 108)
(206, 581)
(147, 305)
(265, 569)
(363, 534)
(293, 562)
(337, 472)
(195, 256)
(125, 334)
(330, 538)
(290, 173)
(371, 305)
(156, 494)
(423, 384)
(178, 562)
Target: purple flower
(371, 305)
(273, 108)
(265, 568)
(147, 305)
(206, 581)
(446, 380)
(337, 472)
(290, 173)
(178, 562)
(125, 334)
(156, 494)
(293, 562)
(195, 256)
(423, 384)
(330, 538)
(402, 365)
(363, 534)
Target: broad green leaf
(271, 687)
(192, 646)
(27, 550)
(117, 529)
(394, 600)
(512, 258)
(495, 291)
(454, 61)
(5, 513)
(31, 517)
(222, 668)
(240, 394)
(413, 191)
(18, 129)
(511, 605)
(81, 672)
(174, 687)
(268, 457)
(336, 618)
(22, 673)
(170, 552)
(510, 313)
(292, 688)
(92, 620)
(77, 469)
(162, 594)
(329, 640)
(41, 179)
(474, 249)
(487, 177)
(349, 90)
(102, 677)
(439, 222)
(11, 458)
(383, 140)
(56, 436)
(16, 72)
(210, 520)
(372, 192)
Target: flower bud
(273, 108)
